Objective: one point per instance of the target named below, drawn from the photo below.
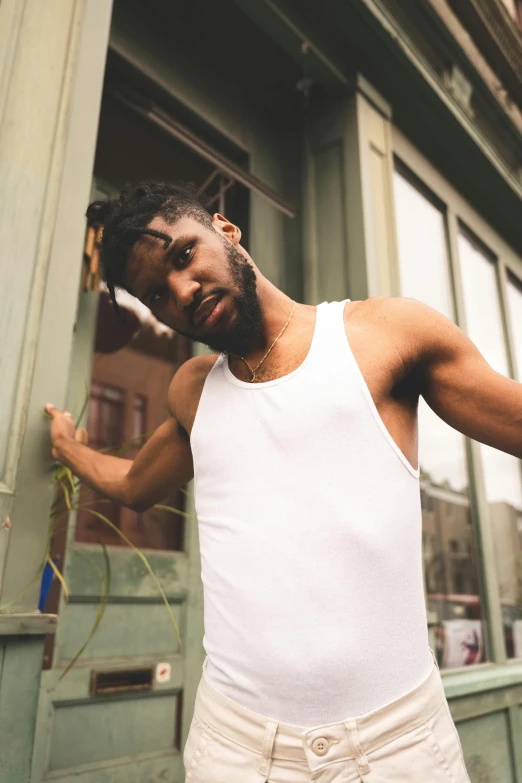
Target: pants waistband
(319, 744)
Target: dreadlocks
(126, 218)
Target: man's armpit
(182, 431)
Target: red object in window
(111, 334)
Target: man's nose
(183, 291)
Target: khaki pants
(411, 740)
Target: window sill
(485, 677)
(27, 624)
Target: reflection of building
(448, 541)
(449, 550)
(128, 399)
(507, 541)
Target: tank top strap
(329, 336)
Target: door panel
(121, 734)
(99, 731)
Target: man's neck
(276, 307)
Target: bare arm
(164, 463)
(456, 381)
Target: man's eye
(184, 256)
(156, 297)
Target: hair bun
(99, 211)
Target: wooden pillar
(48, 53)
(349, 219)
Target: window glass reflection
(508, 544)
(484, 324)
(449, 548)
(502, 476)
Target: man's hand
(63, 429)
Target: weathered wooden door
(122, 713)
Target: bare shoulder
(186, 387)
(393, 310)
(415, 329)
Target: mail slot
(115, 681)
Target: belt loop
(268, 746)
(360, 755)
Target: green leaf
(69, 475)
(174, 510)
(84, 406)
(59, 576)
(66, 495)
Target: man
(302, 439)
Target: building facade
(366, 148)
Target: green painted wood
(30, 623)
(11, 16)
(468, 707)
(126, 629)
(31, 162)
(76, 685)
(145, 768)
(481, 678)
(330, 217)
(184, 79)
(129, 576)
(20, 669)
(288, 29)
(99, 730)
(407, 79)
(194, 630)
(326, 180)
(6, 504)
(486, 747)
(515, 725)
(74, 689)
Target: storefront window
(502, 472)
(454, 606)
(511, 573)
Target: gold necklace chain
(253, 371)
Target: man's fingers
(82, 436)
(52, 411)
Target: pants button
(320, 746)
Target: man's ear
(228, 229)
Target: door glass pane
(449, 546)
(502, 474)
(132, 368)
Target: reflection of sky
(425, 276)
(424, 271)
(502, 474)
(515, 311)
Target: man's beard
(247, 327)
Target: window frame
(458, 213)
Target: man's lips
(206, 307)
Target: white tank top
(310, 538)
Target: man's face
(201, 285)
